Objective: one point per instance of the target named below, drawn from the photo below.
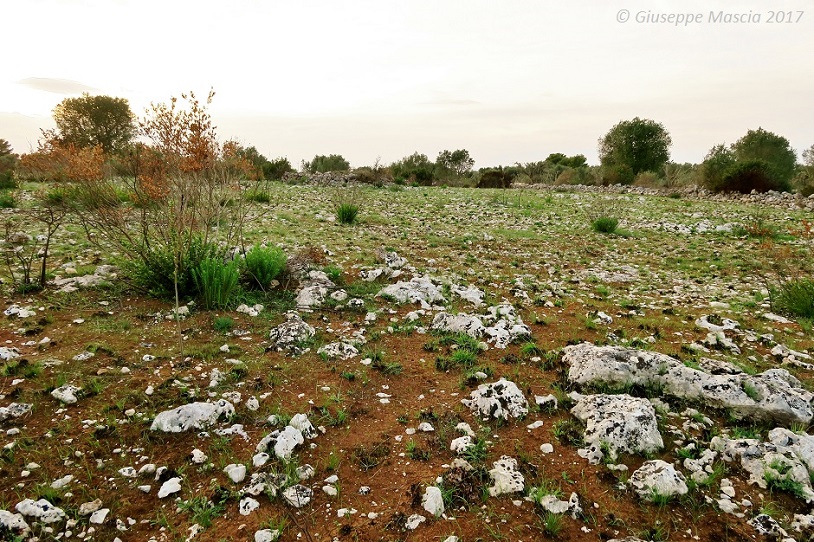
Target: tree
(458, 162)
(717, 162)
(8, 163)
(416, 168)
(808, 156)
(638, 145)
(322, 164)
(770, 148)
(89, 121)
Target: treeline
(96, 135)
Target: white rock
(330, 490)
(266, 535)
(338, 350)
(236, 472)
(414, 521)
(546, 448)
(173, 485)
(248, 505)
(99, 516)
(658, 478)
(198, 457)
(15, 523)
(192, 416)
(433, 501)
(505, 477)
(617, 423)
(501, 399)
(461, 444)
(66, 393)
(417, 290)
(62, 482)
(288, 335)
(297, 495)
(85, 509)
(41, 510)
(426, 427)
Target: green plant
(751, 391)
(216, 281)
(202, 510)
(795, 298)
(347, 213)
(8, 200)
(605, 224)
(264, 264)
(223, 324)
(552, 524)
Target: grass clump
(347, 213)
(223, 324)
(264, 264)
(795, 298)
(605, 224)
(216, 281)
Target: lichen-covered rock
(658, 478)
(767, 526)
(66, 393)
(14, 410)
(192, 416)
(290, 335)
(313, 291)
(617, 423)
(298, 495)
(338, 350)
(505, 477)
(469, 324)
(7, 353)
(501, 399)
(41, 510)
(470, 293)
(773, 395)
(13, 523)
(416, 290)
(282, 441)
(785, 456)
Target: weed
(223, 324)
(264, 264)
(605, 224)
(552, 524)
(215, 281)
(795, 298)
(202, 510)
(347, 213)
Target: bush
(347, 213)
(751, 175)
(416, 168)
(323, 164)
(605, 224)
(155, 270)
(7, 200)
(7, 180)
(495, 178)
(795, 298)
(264, 264)
(215, 281)
(617, 174)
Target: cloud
(56, 86)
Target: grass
(347, 213)
(795, 298)
(605, 224)
(202, 510)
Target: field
(673, 259)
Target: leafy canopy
(90, 121)
(638, 144)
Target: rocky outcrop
(656, 479)
(501, 399)
(616, 423)
(291, 334)
(773, 395)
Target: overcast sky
(511, 81)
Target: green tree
(770, 148)
(458, 162)
(717, 162)
(322, 164)
(89, 121)
(808, 156)
(636, 145)
(8, 163)
(416, 168)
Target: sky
(509, 80)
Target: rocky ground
(460, 365)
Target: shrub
(795, 297)
(223, 324)
(495, 178)
(215, 281)
(416, 168)
(264, 264)
(605, 224)
(155, 271)
(347, 213)
(7, 200)
(323, 164)
(617, 174)
(750, 175)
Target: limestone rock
(338, 350)
(433, 501)
(192, 416)
(298, 495)
(773, 395)
(66, 393)
(658, 478)
(14, 410)
(416, 290)
(14, 523)
(41, 510)
(501, 399)
(617, 423)
(505, 477)
(289, 335)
